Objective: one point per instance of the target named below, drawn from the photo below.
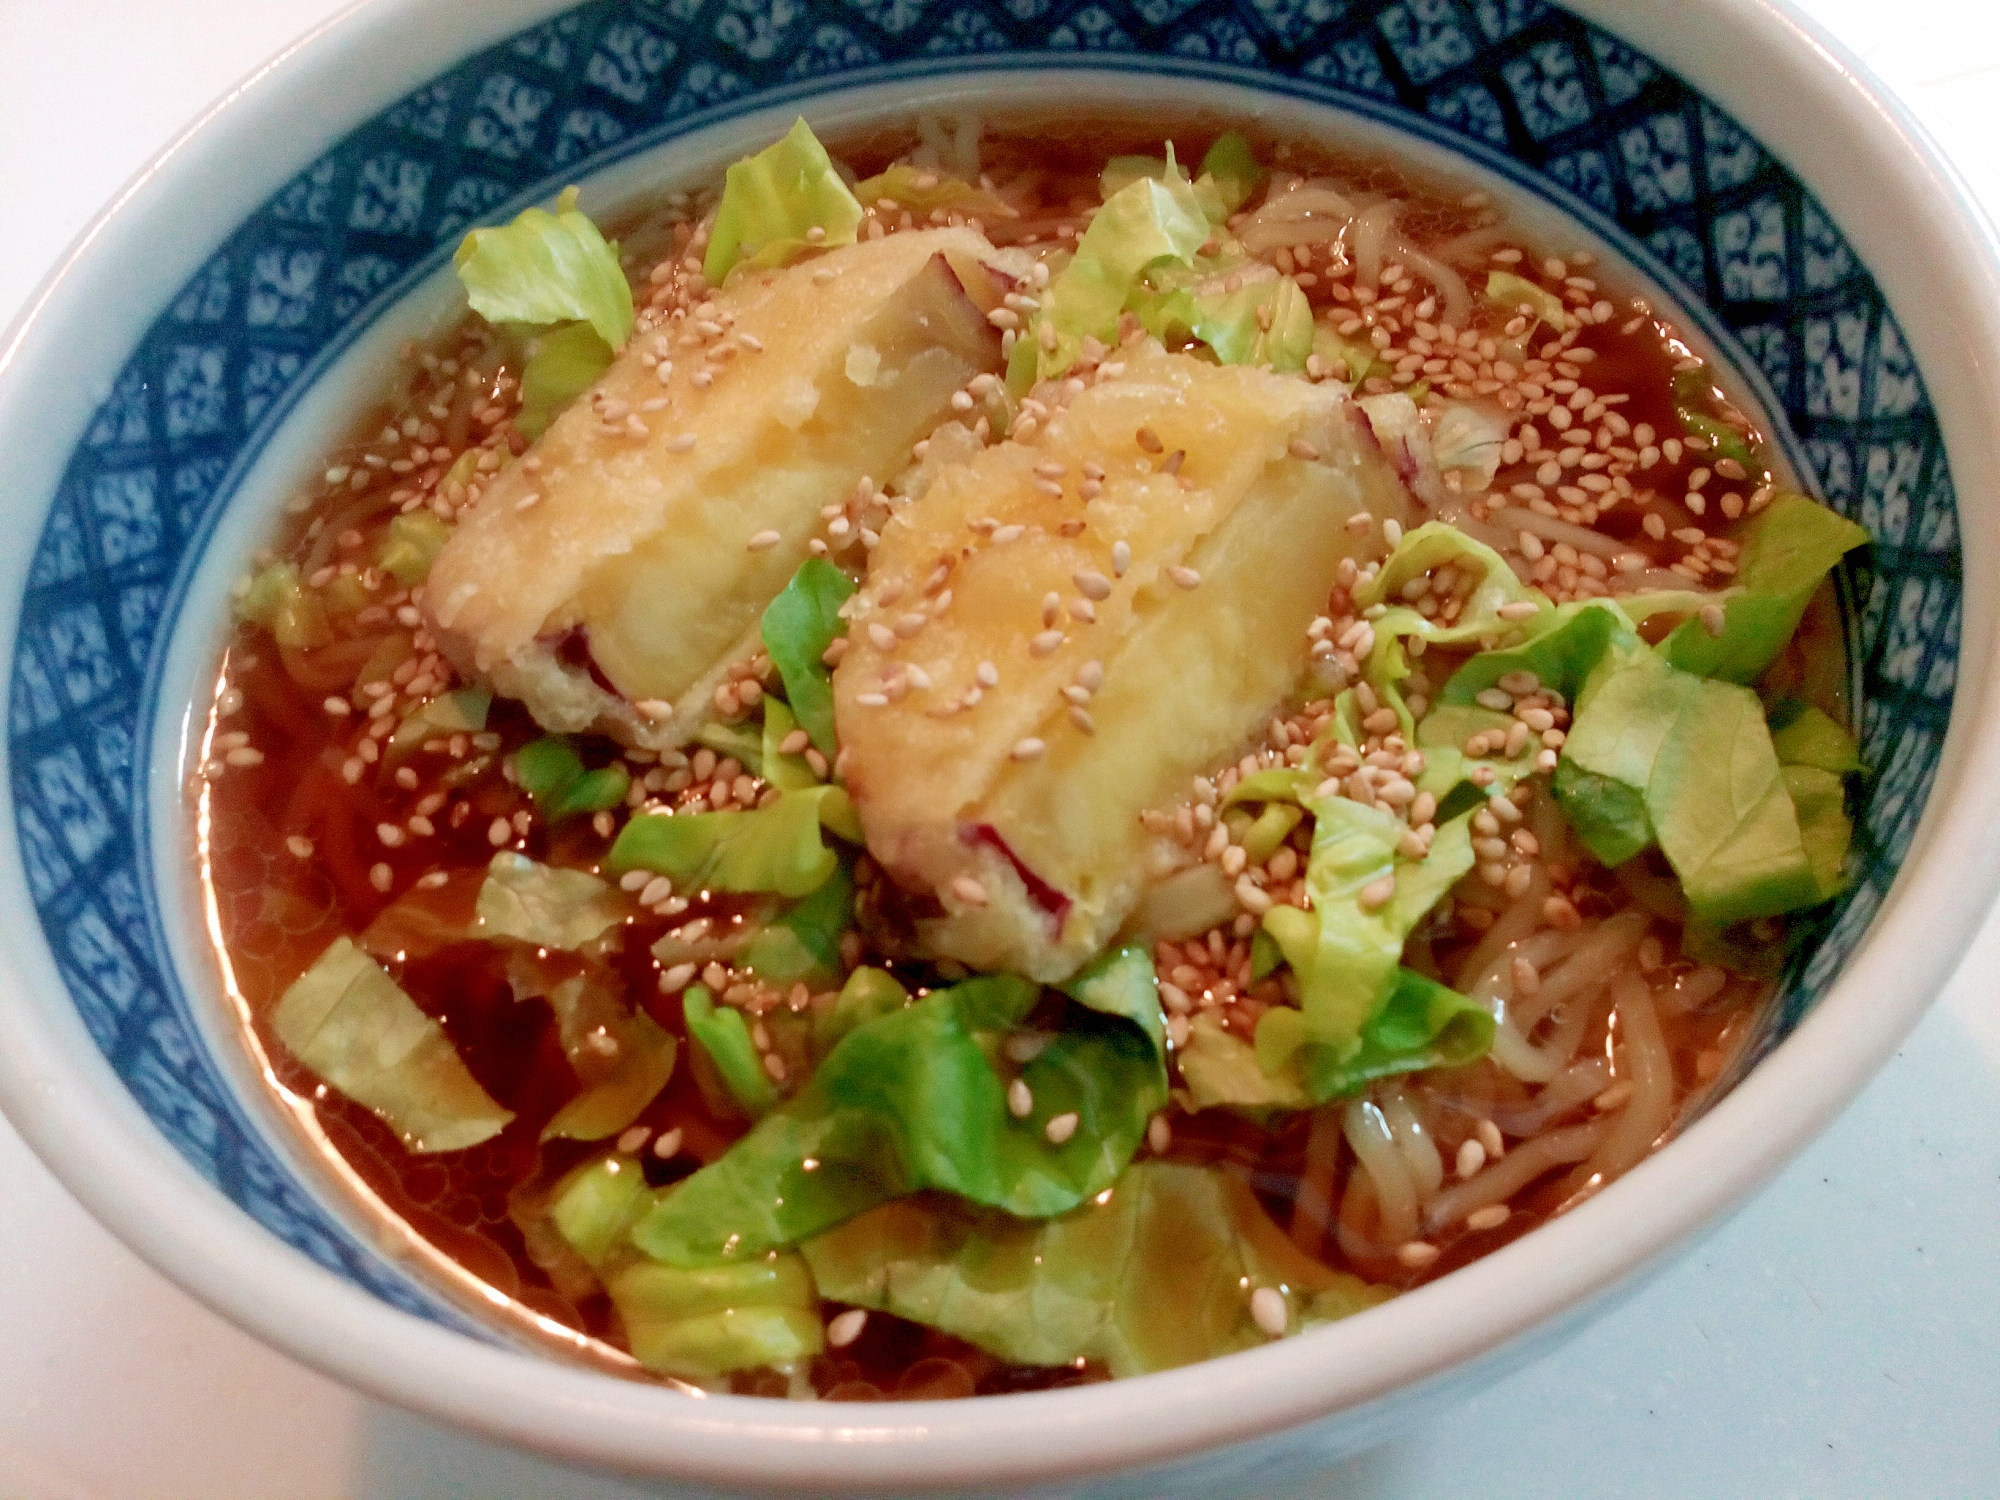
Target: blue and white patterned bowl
(184, 364)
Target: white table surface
(1839, 1340)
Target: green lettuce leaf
(621, 1056)
(1346, 956)
(564, 363)
(922, 189)
(915, 1099)
(1233, 324)
(1694, 402)
(281, 604)
(1566, 648)
(543, 906)
(547, 268)
(352, 1025)
(697, 1323)
(1148, 222)
(1660, 754)
(804, 943)
(1422, 1024)
(1232, 166)
(460, 712)
(868, 993)
(1509, 293)
(788, 773)
(724, 1037)
(771, 202)
(1819, 801)
(1156, 1275)
(776, 848)
(1221, 1069)
(1803, 736)
(799, 625)
(411, 545)
(550, 771)
(1796, 543)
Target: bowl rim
(1910, 221)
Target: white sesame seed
(884, 638)
(633, 1139)
(683, 442)
(1254, 899)
(243, 755)
(655, 891)
(1416, 1254)
(381, 877)
(763, 541)
(1121, 557)
(1090, 676)
(300, 847)
(1080, 717)
(969, 890)
(1020, 1099)
(1092, 585)
(1028, 749)
(499, 832)
(679, 977)
(654, 709)
(1490, 1217)
(872, 700)
(1061, 1128)
(987, 675)
(1184, 577)
(1268, 1311)
(844, 1328)
(1045, 642)
(668, 1146)
(1471, 1157)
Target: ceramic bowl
(182, 367)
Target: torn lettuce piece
(1569, 643)
(868, 993)
(786, 772)
(1268, 323)
(776, 848)
(411, 545)
(922, 189)
(1232, 166)
(1148, 222)
(804, 943)
(462, 711)
(1156, 1275)
(1694, 402)
(1796, 543)
(1507, 292)
(773, 201)
(1467, 439)
(1221, 1070)
(550, 771)
(564, 363)
(543, 906)
(1660, 754)
(1804, 736)
(547, 268)
(353, 1026)
(1421, 551)
(1420, 1024)
(916, 1099)
(724, 1038)
(1819, 801)
(1346, 951)
(622, 1057)
(799, 625)
(281, 604)
(697, 1323)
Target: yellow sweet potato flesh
(1190, 674)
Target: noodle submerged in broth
(853, 792)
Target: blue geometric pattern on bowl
(1565, 109)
